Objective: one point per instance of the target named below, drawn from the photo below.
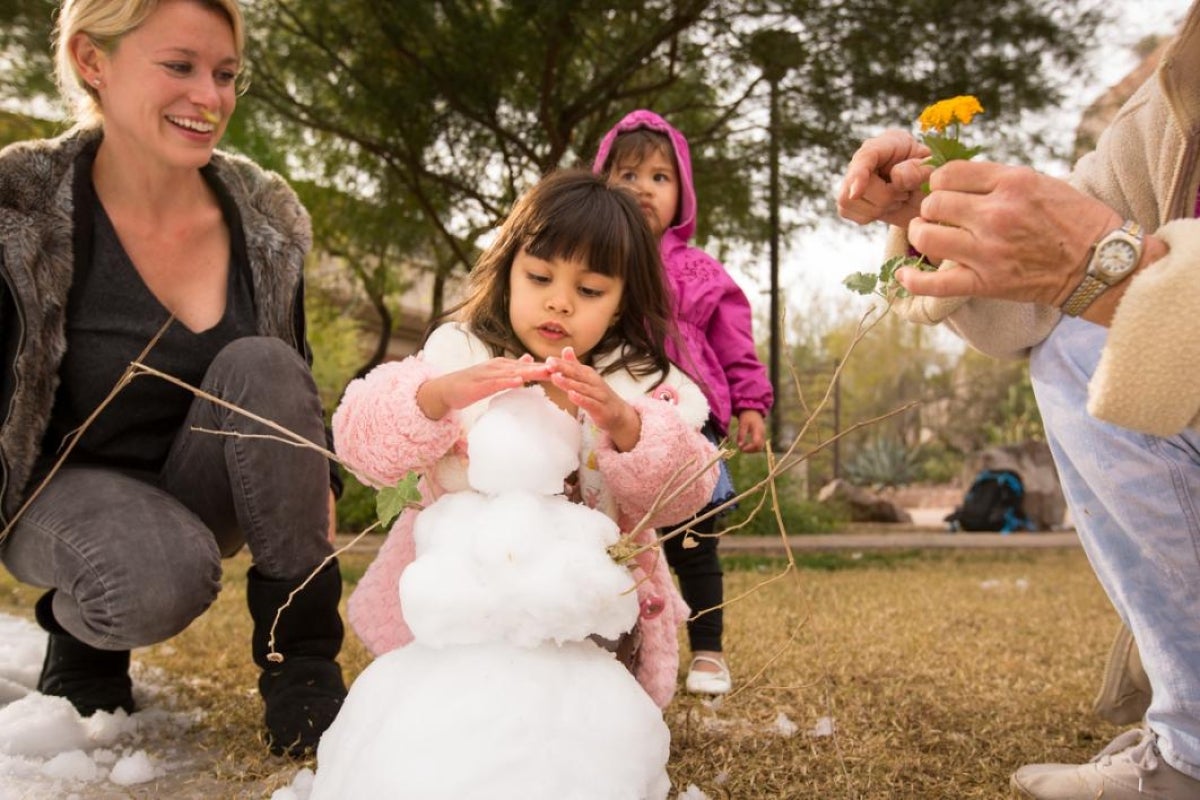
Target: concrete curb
(899, 540)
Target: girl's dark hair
(575, 215)
(633, 147)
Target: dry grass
(941, 671)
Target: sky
(814, 263)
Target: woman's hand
(587, 390)
(454, 390)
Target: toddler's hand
(587, 389)
(751, 431)
(438, 396)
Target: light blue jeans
(1133, 498)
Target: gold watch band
(1123, 244)
(1087, 291)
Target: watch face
(1116, 258)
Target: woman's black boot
(302, 692)
(92, 679)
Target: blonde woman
(132, 223)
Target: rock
(864, 504)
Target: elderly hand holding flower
(887, 179)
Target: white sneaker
(1125, 694)
(705, 682)
(1130, 768)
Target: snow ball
(824, 727)
(133, 769)
(42, 726)
(523, 441)
(784, 726)
(693, 792)
(73, 765)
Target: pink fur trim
(380, 432)
(658, 660)
(667, 447)
(374, 605)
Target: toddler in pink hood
(569, 296)
(646, 155)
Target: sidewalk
(903, 537)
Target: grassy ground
(941, 672)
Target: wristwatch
(1113, 260)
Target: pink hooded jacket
(711, 311)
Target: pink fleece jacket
(711, 311)
(381, 434)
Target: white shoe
(1130, 768)
(703, 682)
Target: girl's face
(168, 88)
(558, 303)
(654, 181)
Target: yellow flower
(942, 114)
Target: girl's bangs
(589, 227)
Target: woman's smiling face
(169, 86)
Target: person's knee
(266, 358)
(265, 375)
(127, 614)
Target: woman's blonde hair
(106, 22)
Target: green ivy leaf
(390, 501)
(861, 282)
(948, 148)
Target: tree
(461, 104)
(440, 112)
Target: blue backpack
(993, 503)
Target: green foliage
(800, 515)
(18, 127)
(822, 561)
(938, 463)
(391, 500)
(361, 506)
(356, 506)
(948, 148)
(25, 31)
(883, 461)
(447, 110)
(336, 345)
(884, 284)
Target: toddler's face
(558, 303)
(654, 181)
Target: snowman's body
(502, 694)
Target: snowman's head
(522, 442)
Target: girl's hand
(439, 396)
(587, 390)
(751, 431)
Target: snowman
(509, 688)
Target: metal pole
(773, 201)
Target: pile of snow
(48, 751)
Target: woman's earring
(96, 82)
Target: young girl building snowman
(569, 296)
